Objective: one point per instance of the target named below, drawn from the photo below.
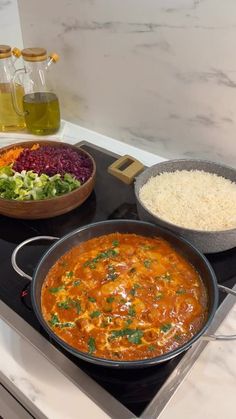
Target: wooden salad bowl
(48, 208)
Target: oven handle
(221, 337)
(14, 254)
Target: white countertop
(207, 392)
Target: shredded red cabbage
(51, 160)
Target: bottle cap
(5, 51)
(34, 54)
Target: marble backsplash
(160, 74)
(10, 28)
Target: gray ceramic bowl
(205, 241)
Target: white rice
(193, 199)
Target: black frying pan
(122, 226)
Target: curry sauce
(124, 297)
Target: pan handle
(126, 168)
(222, 337)
(14, 254)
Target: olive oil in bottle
(40, 105)
(9, 119)
(42, 112)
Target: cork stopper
(34, 54)
(5, 51)
(16, 52)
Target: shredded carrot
(11, 155)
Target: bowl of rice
(44, 179)
(194, 198)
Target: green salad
(28, 186)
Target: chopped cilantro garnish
(64, 304)
(132, 311)
(92, 299)
(119, 333)
(159, 296)
(95, 314)
(136, 337)
(134, 289)
(112, 252)
(77, 282)
(91, 263)
(107, 254)
(102, 255)
(166, 327)
(63, 264)
(181, 291)
(54, 320)
(166, 276)
(151, 348)
(110, 299)
(69, 274)
(129, 321)
(147, 263)
(115, 243)
(91, 345)
(133, 335)
(87, 263)
(146, 246)
(177, 337)
(69, 303)
(77, 305)
(112, 276)
(57, 289)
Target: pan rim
(169, 224)
(109, 362)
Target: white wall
(10, 28)
(160, 74)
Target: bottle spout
(53, 58)
(16, 52)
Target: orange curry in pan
(124, 297)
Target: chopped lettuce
(31, 186)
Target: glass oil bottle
(40, 103)
(10, 120)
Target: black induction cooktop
(111, 199)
